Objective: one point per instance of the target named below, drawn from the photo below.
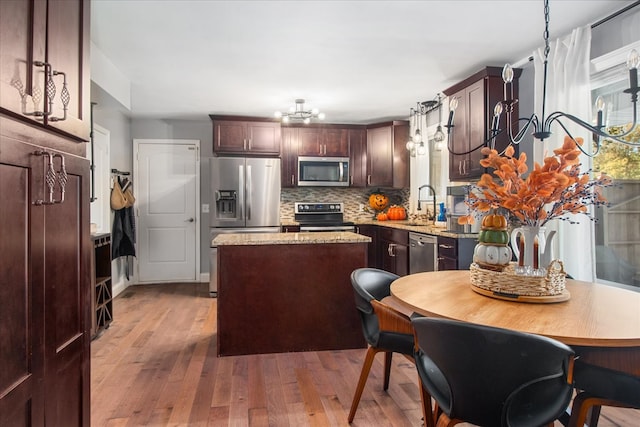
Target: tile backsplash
(351, 197)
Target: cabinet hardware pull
(293, 179)
(189, 220)
(52, 176)
(65, 97)
(36, 97)
(445, 246)
(368, 179)
(390, 249)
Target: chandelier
(542, 125)
(416, 142)
(298, 113)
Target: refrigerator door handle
(241, 191)
(249, 192)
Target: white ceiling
(357, 61)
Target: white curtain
(568, 90)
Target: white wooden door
(167, 188)
(101, 184)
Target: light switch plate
(205, 208)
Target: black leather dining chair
(490, 376)
(597, 387)
(385, 328)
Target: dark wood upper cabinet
(334, 142)
(358, 157)
(246, 136)
(477, 97)
(323, 141)
(289, 158)
(44, 64)
(308, 141)
(387, 157)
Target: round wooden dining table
(600, 322)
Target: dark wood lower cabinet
(393, 246)
(45, 294)
(455, 254)
(290, 297)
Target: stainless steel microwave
(323, 171)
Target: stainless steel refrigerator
(245, 199)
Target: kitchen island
(282, 292)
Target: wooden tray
(564, 296)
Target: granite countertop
(414, 226)
(420, 227)
(254, 239)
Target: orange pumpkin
(494, 221)
(382, 216)
(378, 201)
(397, 213)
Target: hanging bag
(118, 200)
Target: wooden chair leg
(364, 374)
(586, 406)
(427, 411)
(387, 369)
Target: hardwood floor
(157, 366)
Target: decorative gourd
(396, 213)
(382, 216)
(378, 201)
(491, 254)
(494, 222)
(494, 236)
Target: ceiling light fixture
(542, 125)
(298, 113)
(416, 143)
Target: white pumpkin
(479, 253)
(492, 254)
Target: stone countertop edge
(416, 227)
(256, 239)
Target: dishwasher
(423, 253)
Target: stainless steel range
(322, 217)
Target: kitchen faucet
(424, 200)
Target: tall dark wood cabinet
(477, 97)
(45, 297)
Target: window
(618, 227)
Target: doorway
(167, 190)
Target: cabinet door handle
(36, 96)
(390, 249)
(293, 179)
(249, 140)
(52, 176)
(460, 167)
(368, 179)
(64, 96)
(445, 246)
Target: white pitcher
(535, 244)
